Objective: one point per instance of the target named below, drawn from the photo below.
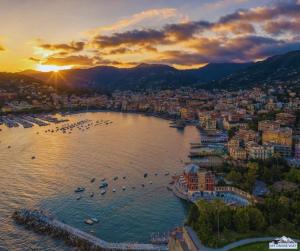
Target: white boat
(88, 221)
(95, 220)
(114, 190)
(78, 198)
(103, 192)
(124, 188)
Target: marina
(67, 161)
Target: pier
(40, 222)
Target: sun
(55, 68)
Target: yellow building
(238, 153)
(282, 136)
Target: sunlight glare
(55, 68)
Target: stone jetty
(40, 222)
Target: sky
(62, 34)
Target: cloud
(37, 60)
(282, 26)
(151, 14)
(244, 35)
(290, 8)
(70, 47)
(70, 60)
(134, 37)
(239, 49)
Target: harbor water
(42, 169)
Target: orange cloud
(70, 47)
(151, 14)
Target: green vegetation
(269, 171)
(260, 246)
(218, 224)
(278, 214)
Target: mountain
(274, 70)
(142, 76)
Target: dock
(40, 222)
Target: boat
(103, 191)
(92, 194)
(103, 185)
(78, 198)
(169, 188)
(88, 221)
(92, 180)
(79, 189)
(124, 188)
(95, 220)
(145, 175)
(114, 190)
(167, 173)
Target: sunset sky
(62, 34)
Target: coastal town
(240, 133)
(246, 124)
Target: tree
(256, 219)
(234, 176)
(193, 214)
(241, 220)
(293, 175)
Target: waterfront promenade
(40, 222)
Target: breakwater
(42, 223)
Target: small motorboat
(78, 198)
(92, 194)
(79, 189)
(103, 185)
(95, 220)
(93, 180)
(145, 175)
(103, 191)
(114, 190)
(89, 221)
(123, 188)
